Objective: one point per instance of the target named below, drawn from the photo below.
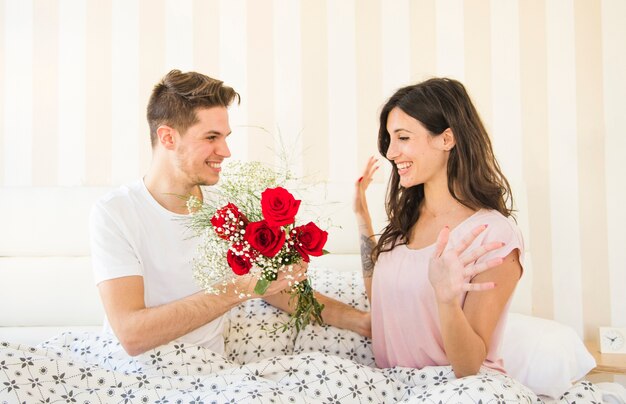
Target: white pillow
(544, 355)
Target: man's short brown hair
(176, 97)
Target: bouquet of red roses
(245, 235)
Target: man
(141, 247)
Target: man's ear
(166, 136)
(447, 140)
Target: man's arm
(140, 329)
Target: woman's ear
(447, 140)
(166, 137)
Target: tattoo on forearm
(367, 245)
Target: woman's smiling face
(418, 156)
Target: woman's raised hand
(450, 271)
(360, 200)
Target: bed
(321, 364)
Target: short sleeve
(112, 254)
(501, 229)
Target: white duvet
(321, 365)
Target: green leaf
(261, 286)
(324, 252)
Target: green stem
(307, 310)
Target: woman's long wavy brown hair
(474, 176)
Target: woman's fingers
(467, 240)
(442, 241)
(473, 270)
(479, 287)
(476, 269)
(480, 251)
(368, 172)
(366, 179)
(368, 166)
(372, 166)
(370, 176)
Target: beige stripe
(261, 81)
(151, 67)
(98, 144)
(368, 78)
(534, 93)
(315, 89)
(2, 91)
(478, 57)
(46, 92)
(614, 66)
(592, 185)
(423, 43)
(206, 31)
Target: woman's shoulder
(504, 227)
(497, 224)
(491, 217)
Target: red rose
(240, 261)
(279, 207)
(309, 240)
(228, 221)
(266, 239)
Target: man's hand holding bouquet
(250, 237)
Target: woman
(442, 273)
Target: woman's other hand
(360, 200)
(450, 271)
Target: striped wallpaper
(548, 77)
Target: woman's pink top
(405, 322)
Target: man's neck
(169, 190)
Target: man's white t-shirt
(132, 234)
